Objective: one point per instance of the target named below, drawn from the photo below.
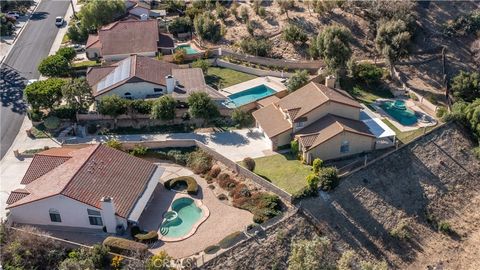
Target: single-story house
(140, 77)
(94, 187)
(121, 39)
(325, 121)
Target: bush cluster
(367, 73)
(124, 246)
(249, 163)
(150, 237)
(256, 46)
(199, 161)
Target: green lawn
(85, 64)
(285, 171)
(226, 77)
(408, 136)
(363, 93)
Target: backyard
(219, 77)
(408, 136)
(283, 170)
(365, 93)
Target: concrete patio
(223, 219)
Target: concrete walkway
(222, 221)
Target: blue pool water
(400, 112)
(188, 49)
(181, 219)
(251, 95)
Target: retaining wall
(250, 70)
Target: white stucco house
(93, 186)
(140, 77)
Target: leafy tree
(392, 40)
(7, 27)
(366, 72)
(241, 118)
(221, 11)
(54, 66)
(67, 53)
(294, 147)
(180, 25)
(294, 34)
(328, 178)
(334, 46)
(164, 108)
(256, 46)
(175, 5)
(115, 144)
(160, 261)
(96, 13)
(179, 56)
(285, 6)
(141, 106)
(202, 106)
(312, 254)
(298, 79)
(312, 182)
(44, 94)
(313, 48)
(77, 93)
(201, 63)
(77, 32)
(472, 115)
(112, 105)
(466, 86)
(351, 261)
(207, 27)
(317, 165)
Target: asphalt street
(21, 64)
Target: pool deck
(410, 105)
(222, 221)
(274, 83)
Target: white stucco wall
(139, 90)
(147, 195)
(72, 213)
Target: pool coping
(271, 82)
(379, 110)
(193, 230)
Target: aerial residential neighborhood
(240, 134)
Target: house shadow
(188, 136)
(228, 138)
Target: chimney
(330, 81)
(143, 17)
(108, 214)
(170, 81)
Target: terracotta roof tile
(312, 96)
(328, 127)
(41, 165)
(92, 173)
(267, 101)
(272, 120)
(17, 195)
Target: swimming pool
(399, 111)
(251, 94)
(188, 48)
(180, 220)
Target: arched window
(54, 215)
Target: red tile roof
(17, 195)
(92, 173)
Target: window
(94, 217)
(156, 90)
(345, 147)
(54, 215)
(299, 124)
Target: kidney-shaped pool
(182, 220)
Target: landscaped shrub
(230, 240)
(115, 144)
(294, 147)
(199, 161)
(328, 178)
(211, 249)
(51, 122)
(263, 205)
(192, 186)
(149, 237)
(240, 190)
(139, 150)
(317, 165)
(35, 115)
(64, 112)
(124, 246)
(312, 182)
(214, 171)
(249, 163)
(441, 111)
(256, 46)
(223, 176)
(367, 73)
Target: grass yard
(226, 77)
(283, 170)
(85, 64)
(408, 136)
(363, 93)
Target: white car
(77, 47)
(59, 21)
(13, 14)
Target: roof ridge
(133, 65)
(321, 91)
(80, 168)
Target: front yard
(283, 170)
(225, 77)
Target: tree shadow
(229, 138)
(11, 85)
(213, 80)
(255, 134)
(40, 15)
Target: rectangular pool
(188, 49)
(250, 95)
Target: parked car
(77, 47)
(59, 21)
(13, 14)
